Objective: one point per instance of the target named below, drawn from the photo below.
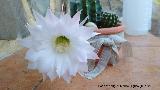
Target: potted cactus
(107, 23)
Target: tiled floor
(141, 69)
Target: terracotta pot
(112, 30)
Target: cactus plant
(90, 8)
(93, 10)
(109, 20)
(74, 7)
(84, 6)
(98, 10)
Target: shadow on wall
(12, 19)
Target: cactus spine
(109, 20)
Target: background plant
(93, 9)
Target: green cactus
(93, 10)
(90, 8)
(98, 10)
(109, 20)
(74, 7)
(84, 6)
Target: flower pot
(110, 31)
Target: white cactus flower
(58, 47)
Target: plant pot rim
(112, 30)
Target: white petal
(45, 61)
(76, 17)
(32, 66)
(26, 42)
(83, 22)
(44, 66)
(39, 18)
(32, 55)
(66, 19)
(86, 32)
(61, 65)
(83, 67)
(52, 74)
(67, 77)
(50, 17)
(80, 54)
(39, 33)
(73, 67)
(92, 55)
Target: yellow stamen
(62, 44)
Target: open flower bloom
(58, 47)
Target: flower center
(62, 44)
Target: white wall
(137, 16)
